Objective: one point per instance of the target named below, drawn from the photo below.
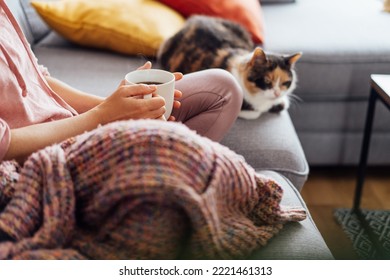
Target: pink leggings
(210, 103)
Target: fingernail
(147, 96)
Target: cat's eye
(268, 82)
(287, 84)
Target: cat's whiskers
(294, 99)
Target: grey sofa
(343, 42)
(269, 144)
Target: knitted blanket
(137, 190)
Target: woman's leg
(210, 103)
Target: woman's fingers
(136, 90)
(123, 83)
(156, 114)
(154, 103)
(152, 108)
(147, 65)
(178, 76)
(177, 94)
(176, 104)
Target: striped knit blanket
(137, 190)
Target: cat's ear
(292, 59)
(258, 54)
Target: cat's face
(270, 76)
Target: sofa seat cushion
(270, 142)
(343, 42)
(98, 71)
(296, 241)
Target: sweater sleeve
(5, 138)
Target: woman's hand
(127, 103)
(178, 94)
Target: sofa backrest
(33, 26)
(17, 11)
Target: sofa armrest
(296, 241)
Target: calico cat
(206, 42)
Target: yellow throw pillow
(125, 26)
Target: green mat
(369, 231)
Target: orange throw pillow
(248, 13)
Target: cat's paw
(277, 108)
(249, 114)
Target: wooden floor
(330, 188)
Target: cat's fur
(205, 42)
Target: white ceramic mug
(164, 81)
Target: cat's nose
(277, 93)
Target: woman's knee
(227, 86)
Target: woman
(38, 110)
